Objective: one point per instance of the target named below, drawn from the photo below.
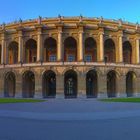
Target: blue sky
(12, 10)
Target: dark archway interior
(90, 50)
(49, 84)
(109, 51)
(9, 85)
(31, 51)
(91, 84)
(111, 84)
(127, 52)
(50, 52)
(70, 84)
(129, 84)
(28, 85)
(70, 49)
(13, 53)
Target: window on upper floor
(88, 58)
(52, 58)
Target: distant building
(69, 57)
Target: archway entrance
(130, 79)
(49, 84)
(127, 52)
(90, 50)
(111, 84)
(13, 53)
(31, 51)
(9, 85)
(70, 49)
(70, 84)
(91, 84)
(28, 85)
(50, 50)
(109, 51)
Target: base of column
(102, 95)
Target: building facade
(69, 57)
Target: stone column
(3, 51)
(121, 86)
(81, 49)
(81, 85)
(1, 84)
(38, 86)
(59, 46)
(101, 47)
(18, 91)
(137, 57)
(39, 45)
(120, 49)
(102, 86)
(20, 47)
(138, 86)
(59, 86)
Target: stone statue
(39, 20)
(137, 25)
(120, 22)
(3, 26)
(101, 20)
(59, 18)
(20, 21)
(80, 18)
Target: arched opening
(70, 84)
(28, 85)
(111, 84)
(49, 84)
(127, 52)
(91, 84)
(13, 53)
(90, 50)
(109, 51)
(50, 50)
(31, 51)
(9, 85)
(130, 78)
(70, 49)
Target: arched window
(31, 51)
(90, 50)
(50, 50)
(127, 52)
(109, 51)
(13, 53)
(70, 49)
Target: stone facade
(69, 57)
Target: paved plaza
(70, 119)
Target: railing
(39, 64)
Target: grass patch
(14, 100)
(129, 100)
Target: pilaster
(60, 46)
(81, 46)
(137, 49)
(100, 48)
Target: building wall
(80, 29)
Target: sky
(13, 10)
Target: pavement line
(70, 116)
